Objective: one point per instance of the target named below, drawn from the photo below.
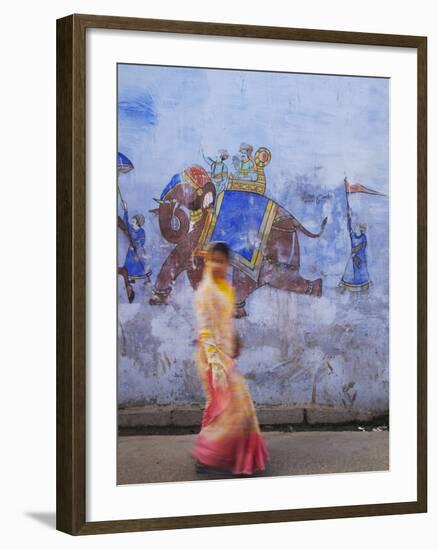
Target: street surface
(158, 458)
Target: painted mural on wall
(291, 170)
(262, 234)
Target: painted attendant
(356, 277)
(134, 263)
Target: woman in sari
(230, 440)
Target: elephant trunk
(174, 222)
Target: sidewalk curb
(293, 414)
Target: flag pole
(118, 187)
(346, 189)
(347, 193)
(120, 193)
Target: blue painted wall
(319, 128)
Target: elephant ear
(174, 222)
(205, 197)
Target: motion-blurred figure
(230, 440)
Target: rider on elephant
(218, 170)
(244, 165)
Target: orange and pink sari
(230, 437)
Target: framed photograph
(241, 274)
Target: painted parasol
(124, 165)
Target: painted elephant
(184, 213)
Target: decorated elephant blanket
(243, 220)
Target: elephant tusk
(160, 201)
(175, 206)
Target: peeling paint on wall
(297, 348)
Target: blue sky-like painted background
(319, 129)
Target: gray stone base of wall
(299, 415)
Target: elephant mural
(262, 234)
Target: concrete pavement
(158, 458)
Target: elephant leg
(195, 271)
(286, 277)
(172, 267)
(283, 246)
(243, 286)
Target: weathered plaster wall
(298, 349)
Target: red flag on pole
(359, 188)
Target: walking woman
(230, 440)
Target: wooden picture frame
(71, 273)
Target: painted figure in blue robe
(218, 170)
(134, 261)
(356, 275)
(244, 164)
